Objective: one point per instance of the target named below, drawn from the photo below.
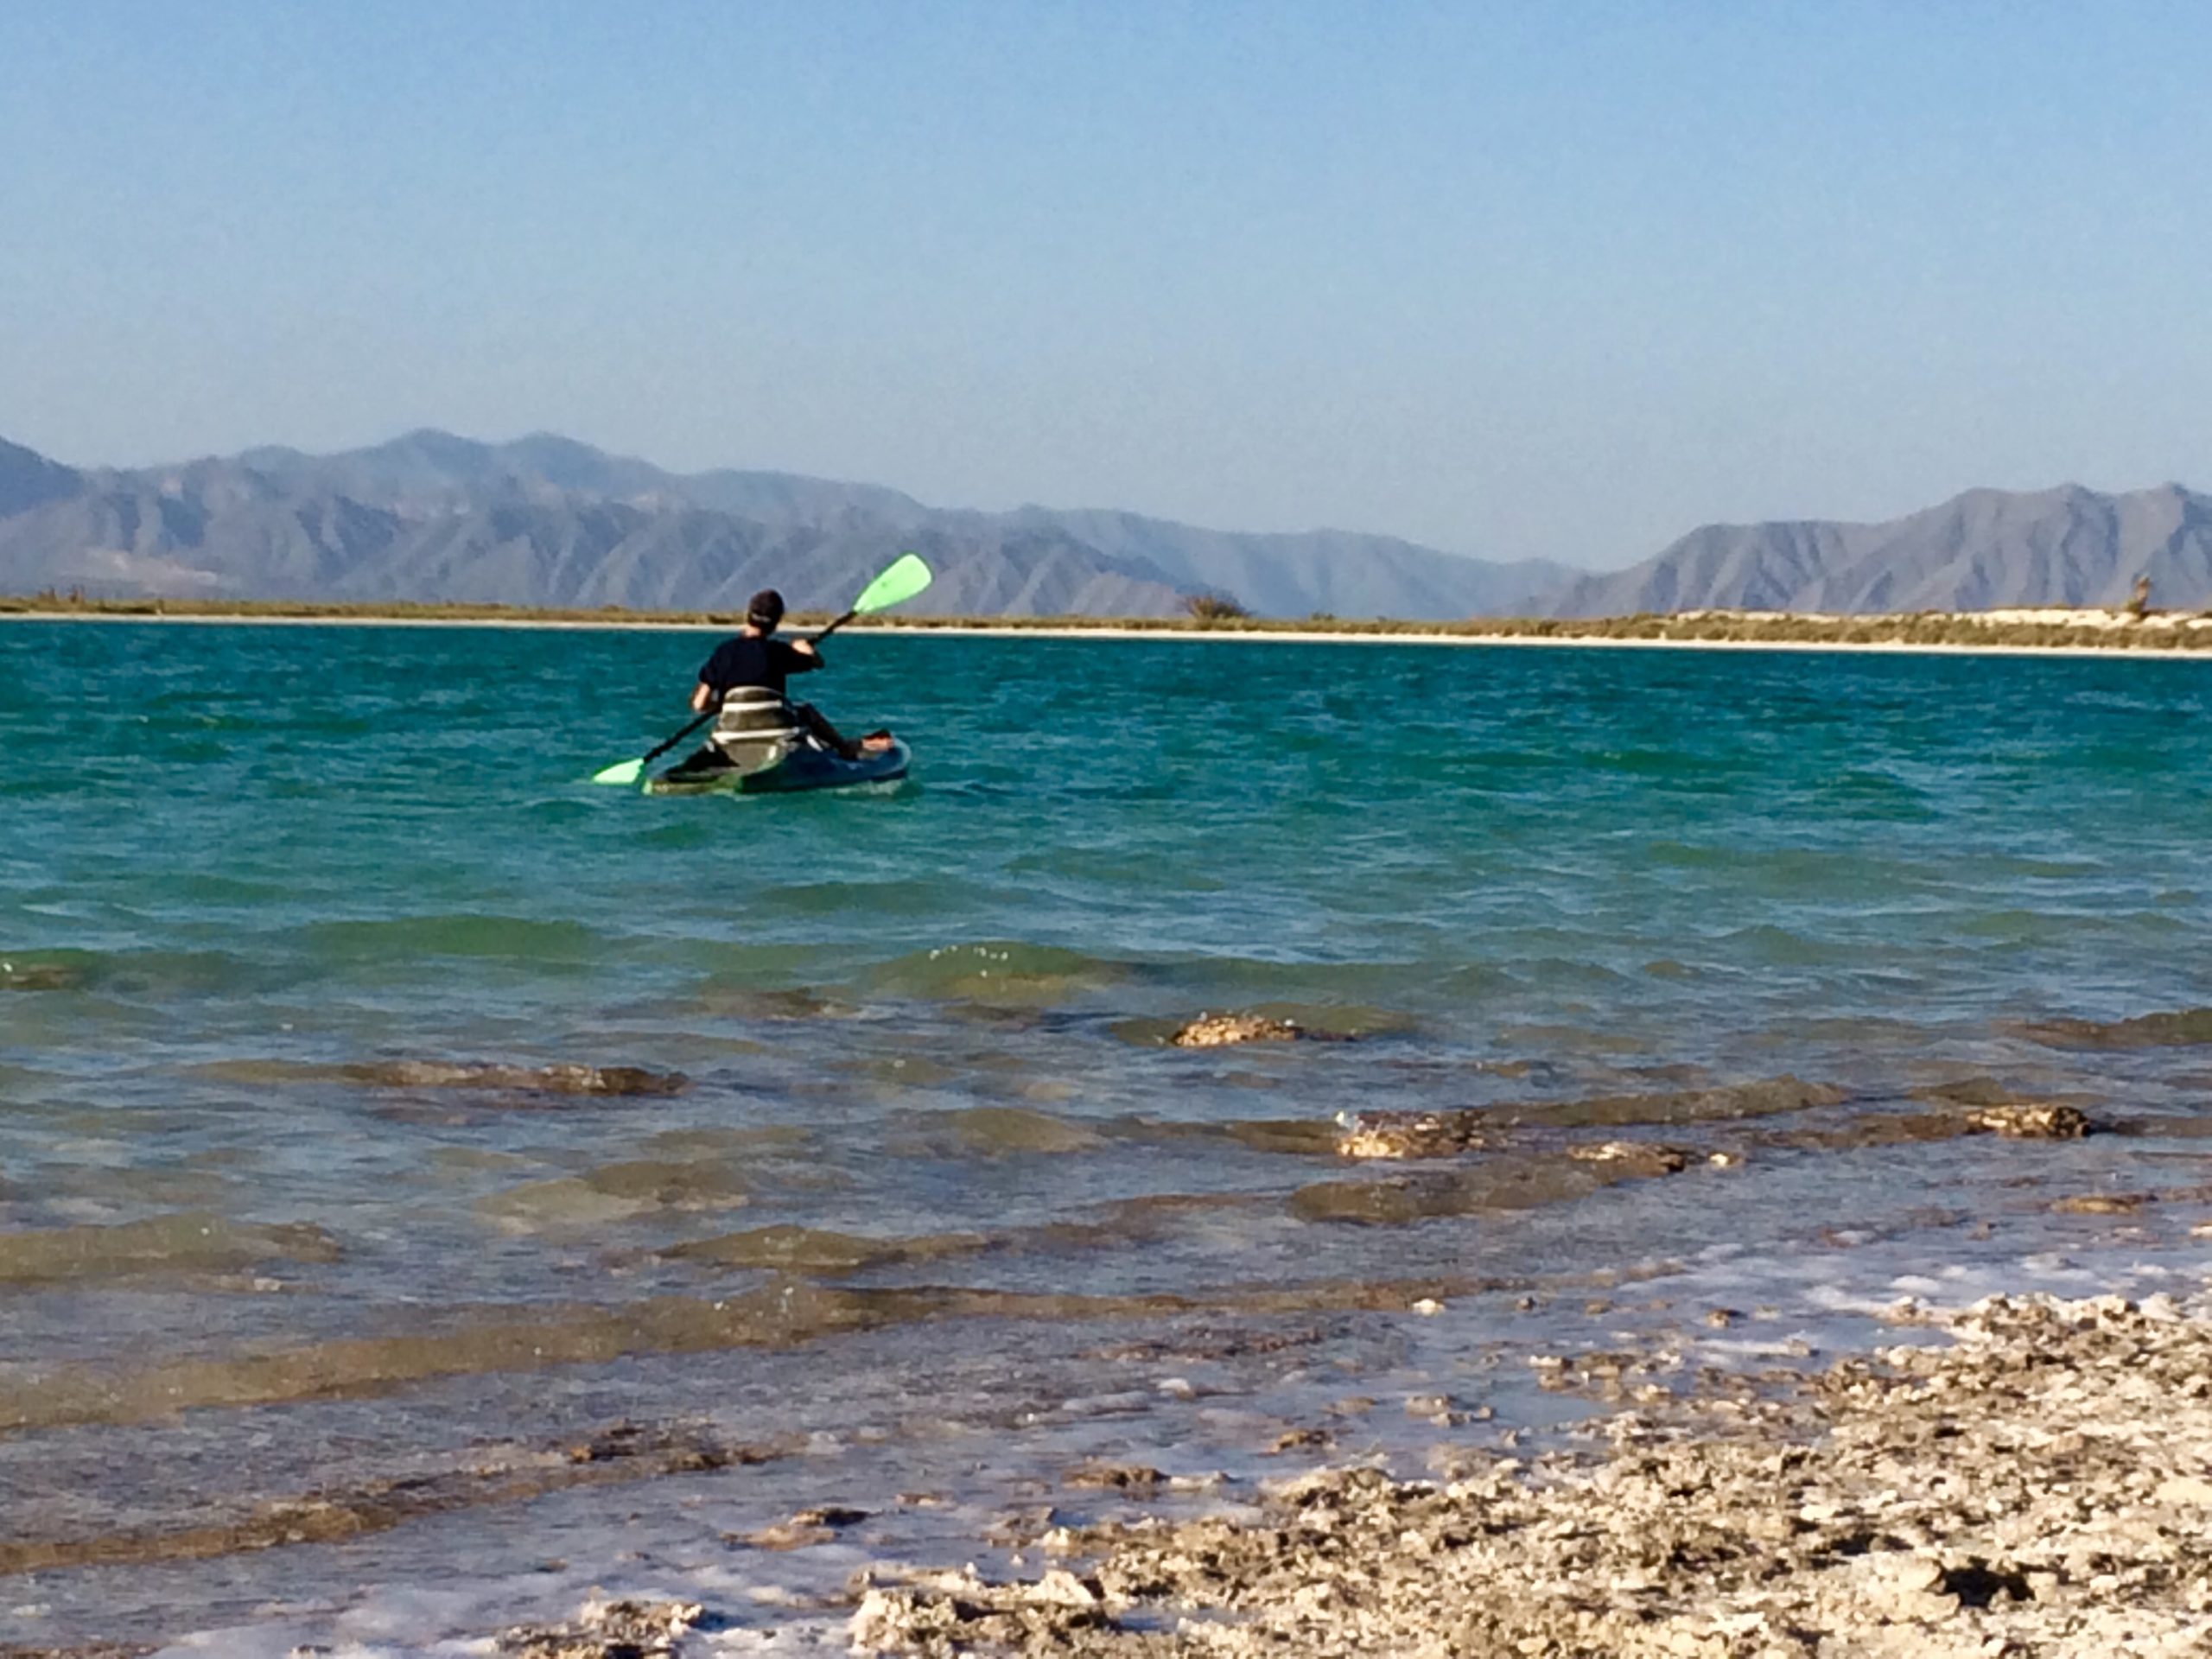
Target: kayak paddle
(628, 772)
(905, 577)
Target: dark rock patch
(561, 1078)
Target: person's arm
(713, 674)
(804, 656)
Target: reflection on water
(397, 1133)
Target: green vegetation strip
(2159, 632)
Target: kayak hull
(804, 767)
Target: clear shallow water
(931, 1206)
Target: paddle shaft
(655, 753)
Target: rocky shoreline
(2030, 1477)
(2042, 1483)
(2027, 1476)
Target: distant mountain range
(547, 521)
(1982, 551)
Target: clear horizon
(1563, 285)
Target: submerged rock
(2031, 1122)
(562, 1078)
(1409, 1134)
(2181, 1028)
(1768, 1098)
(953, 1613)
(830, 1515)
(994, 1130)
(1221, 1030)
(819, 1525)
(188, 1243)
(1644, 1157)
(2102, 1204)
(38, 977)
(1497, 1185)
(618, 1191)
(607, 1629)
(1297, 1137)
(1115, 1477)
(786, 1247)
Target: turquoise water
(292, 919)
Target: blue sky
(1556, 280)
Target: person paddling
(755, 659)
(741, 688)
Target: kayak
(797, 765)
(762, 744)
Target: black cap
(764, 609)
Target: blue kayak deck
(804, 767)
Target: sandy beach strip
(2083, 632)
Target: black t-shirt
(748, 659)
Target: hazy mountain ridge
(1339, 572)
(545, 520)
(1982, 549)
(28, 478)
(429, 469)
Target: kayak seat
(753, 709)
(754, 728)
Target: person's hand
(805, 648)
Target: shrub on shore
(1214, 607)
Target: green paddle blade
(622, 771)
(908, 577)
